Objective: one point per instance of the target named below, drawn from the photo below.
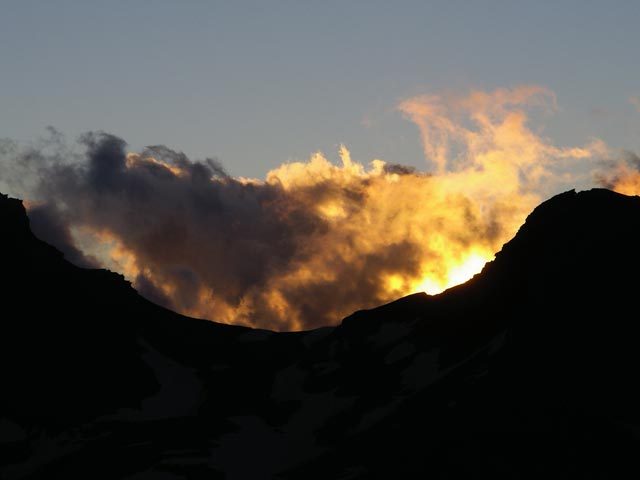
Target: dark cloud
(621, 174)
(191, 234)
(633, 159)
(107, 161)
(399, 169)
(147, 289)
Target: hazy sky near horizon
(256, 84)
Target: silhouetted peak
(573, 235)
(13, 216)
(572, 211)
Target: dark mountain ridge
(528, 370)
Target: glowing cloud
(315, 240)
(621, 175)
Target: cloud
(621, 174)
(635, 101)
(48, 224)
(314, 240)
(488, 130)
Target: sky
(256, 84)
(283, 164)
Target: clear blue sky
(259, 83)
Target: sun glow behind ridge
(457, 273)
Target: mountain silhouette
(528, 371)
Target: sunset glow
(457, 273)
(318, 239)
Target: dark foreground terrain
(528, 371)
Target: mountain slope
(101, 383)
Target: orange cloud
(316, 240)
